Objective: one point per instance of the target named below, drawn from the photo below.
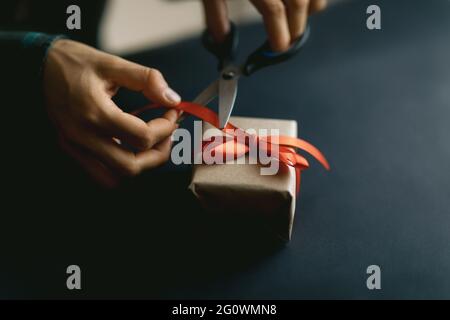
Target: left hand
(285, 20)
(79, 83)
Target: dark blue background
(377, 103)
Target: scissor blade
(208, 94)
(204, 97)
(227, 97)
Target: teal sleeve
(22, 59)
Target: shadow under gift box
(240, 192)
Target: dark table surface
(376, 102)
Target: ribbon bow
(287, 146)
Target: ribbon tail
(307, 147)
(297, 180)
(211, 117)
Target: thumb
(147, 80)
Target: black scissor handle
(264, 56)
(225, 52)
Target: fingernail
(172, 96)
(180, 113)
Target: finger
(99, 172)
(164, 146)
(276, 23)
(107, 151)
(317, 5)
(162, 128)
(161, 152)
(130, 129)
(109, 120)
(172, 115)
(139, 78)
(118, 158)
(155, 157)
(297, 12)
(217, 21)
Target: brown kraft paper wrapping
(240, 189)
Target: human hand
(285, 20)
(79, 82)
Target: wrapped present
(238, 187)
(241, 189)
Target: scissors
(226, 86)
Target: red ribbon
(286, 145)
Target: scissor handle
(264, 56)
(225, 52)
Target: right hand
(285, 20)
(79, 82)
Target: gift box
(241, 191)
